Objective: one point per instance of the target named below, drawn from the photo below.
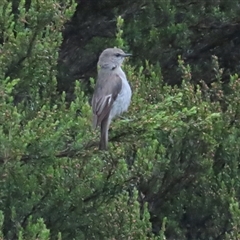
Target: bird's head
(112, 58)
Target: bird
(112, 93)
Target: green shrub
(172, 168)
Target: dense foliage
(156, 30)
(172, 171)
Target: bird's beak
(126, 55)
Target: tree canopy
(172, 169)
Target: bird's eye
(118, 55)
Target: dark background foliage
(158, 31)
(172, 171)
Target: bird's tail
(104, 134)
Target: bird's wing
(105, 93)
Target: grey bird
(112, 93)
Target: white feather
(123, 99)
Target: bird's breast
(123, 99)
